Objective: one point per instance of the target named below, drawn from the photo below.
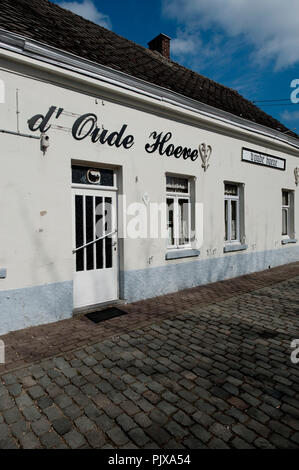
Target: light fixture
(44, 142)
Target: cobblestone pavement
(217, 375)
(33, 344)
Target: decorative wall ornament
(205, 154)
(296, 173)
(146, 198)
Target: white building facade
(114, 188)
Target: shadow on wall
(35, 238)
(28, 306)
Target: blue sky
(249, 45)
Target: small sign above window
(258, 158)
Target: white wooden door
(95, 247)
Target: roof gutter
(33, 49)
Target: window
(178, 212)
(287, 214)
(95, 176)
(234, 217)
(232, 212)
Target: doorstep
(98, 307)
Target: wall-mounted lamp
(296, 173)
(44, 142)
(205, 154)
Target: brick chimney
(161, 43)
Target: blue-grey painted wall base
(22, 308)
(142, 284)
(31, 306)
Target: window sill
(176, 254)
(285, 241)
(234, 247)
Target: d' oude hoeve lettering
(87, 126)
(160, 146)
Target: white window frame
(176, 197)
(227, 229)
(290, 214)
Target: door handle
(94, 241)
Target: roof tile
(50, 24)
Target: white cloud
(188, 48)
(185, 44)
(290, 115)
(246, 83)
(88, 10)
(270, 26)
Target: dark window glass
(226, 218)
(89, 232)
(177, 185)
(108, 225)
(79, 232)
(99, 231)
(183, 221)
(234, 235)
(231, 190)
(80, 176)
(284, 221)
(285, 198)
(170, 226)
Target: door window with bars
(93, 218)
(232, 212)
(178, 212)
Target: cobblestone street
(206, 368)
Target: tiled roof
(50, 24)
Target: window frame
(176, 196)
(228, 223)
(289, 209)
